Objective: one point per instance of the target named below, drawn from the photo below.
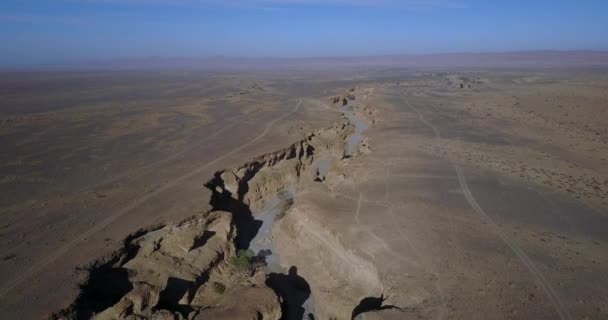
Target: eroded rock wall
(197, 269)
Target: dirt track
(517, 251)
(137, 202)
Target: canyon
(199, 267)
(377, 194)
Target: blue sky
(34, 31)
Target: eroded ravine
(223, 264)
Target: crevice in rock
(246, 225)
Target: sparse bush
(219, 287)
(243, 259)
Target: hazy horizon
(37, 32)
(508, 59)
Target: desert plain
(358, 193)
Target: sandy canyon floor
(381, 194)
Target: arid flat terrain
(361, 194)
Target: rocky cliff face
(201, 268)
(256, 180)
(339, 278)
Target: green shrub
(219, 287)
(243, 259)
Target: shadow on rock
(371, 304)
(202, 239)
(293, 290)
(105, 286)
(221, 199)
(175, 290)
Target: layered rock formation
(201, 268)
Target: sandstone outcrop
(201, 268)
